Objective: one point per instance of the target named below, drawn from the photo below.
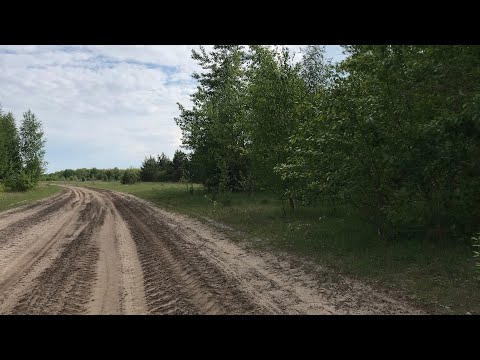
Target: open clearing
(92, 251)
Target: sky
(103, 106)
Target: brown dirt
(91, 251)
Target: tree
(68, 173)
(116, 173)
(274, 90)
(10, 160)
(391, 130)
(94, 173)
(108, 174)
(214, 128)
(149, 170)
(130, 176)
(316, 70)
(164, 166)
(32, 146)
(394, 134)
(179, 165)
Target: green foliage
(130, 176)
(85, 175)
(243, 115)
(405, 156)
(392, 130)
(149, 170)
(275, 88)
(68, 173)
(21, 153)
(163, 169)
(32, 146)
(20, 181)
(213, 128)
(180, 166)
(316, 70)
(10, 160)
(9, 200)
(116, 173)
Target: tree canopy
(21, 151)
(392, 130)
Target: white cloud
(101, 106)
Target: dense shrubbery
(130, 176)
(392, 130)
(19, 182)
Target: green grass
(10, 200)
(441, 277)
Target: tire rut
(95, 251)
(44, 214)
(22, 253)
(65, 286)
(32, 206)
(178, 280)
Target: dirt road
(89, 251)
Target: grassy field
(440, 278)
(10, 200)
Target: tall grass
(9, 200)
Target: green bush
(19, 182)
(130, 176)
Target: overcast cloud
(102, 106)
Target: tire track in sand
(92, 251)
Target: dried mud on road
(92, 251)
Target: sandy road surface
(89, 251)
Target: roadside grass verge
(438, 277)
(9, 200)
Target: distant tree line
(163, 169)
(21, 151)
(391, 130)
(159, 169)
(128, 176)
